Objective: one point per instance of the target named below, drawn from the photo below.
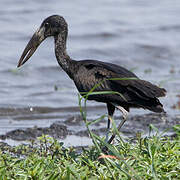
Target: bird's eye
(47, 25)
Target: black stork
(133, 92)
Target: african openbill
(136, 93)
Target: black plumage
(133, 92)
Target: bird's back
(108, 67)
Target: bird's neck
(61, 55)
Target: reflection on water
(142, 36)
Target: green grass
(147, 158)
(152, 157)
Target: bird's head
(51, 26)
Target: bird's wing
(101, 71)
(120, 71)
(141, 88)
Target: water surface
(143, 36)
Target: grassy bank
(152, 157)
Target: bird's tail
(154, 105)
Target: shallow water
(139, 35)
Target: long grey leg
(111, 109)
(125, 114)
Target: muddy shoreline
(73, 130)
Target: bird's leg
(125, 114)
(111, 109)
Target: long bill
(32, 45)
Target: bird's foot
(105, 150)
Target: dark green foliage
(153, 157)
(148, 158)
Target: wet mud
(74, 127)
(56, 130)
